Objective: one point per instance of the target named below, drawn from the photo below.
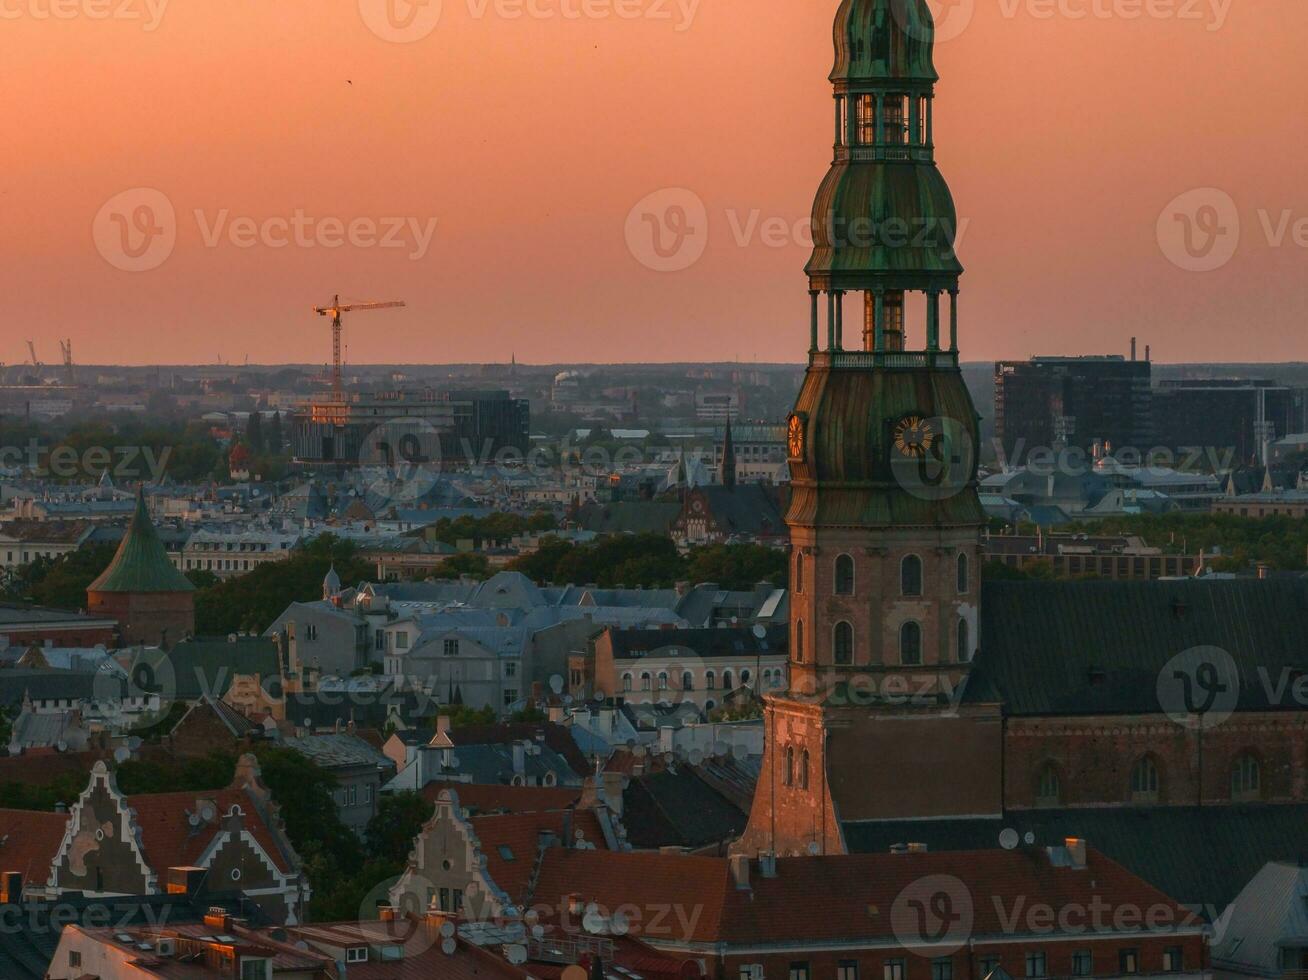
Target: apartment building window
(799, 971)
(352, 796)
(1035, 965)
(687, 681)
(511, 669)
(1173, 959)
(1082, 963)
(1144, 780)
(380, 641)
(751, 971)
(663, 680)
(893, 970)
(989, 964)
(626, 683)
(356, 954)
(74, 959)
(510, 696)
(847, 970)
(1246, 778)
(942, 968)
(1128, 962)
(644, 681)
(450, 648)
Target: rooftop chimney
(1076, 851)
(1133, 348)
(740, 871)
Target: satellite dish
(567, 699)
(448, 947)
(134, 743)
(537, 932)
(517, 954)
(61, 745)
(1029, 838)
(696, 757)
(593, 922)
(618, 924)
(447, 930)
(1008, 839)
(760, 631)
(193, 819)
(207, 812)
(556, 683)
(121, 755)
(813, 848)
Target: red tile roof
(170, 841)
(492, 798)
(815, 899)
(520, 834)
(28, 842)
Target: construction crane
(334, 311)
(31, 349)
(66, 348)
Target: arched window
(1048, 789)
(799, 572)
(1246, 777)
(1144, 780)
(744, 678)
(726, 681)
(844, 575)
(790, 766)
(710, 681)
(964, 642)
(964, 582)
(799, 641)
(687, 681)
(803, 769)
(626, 682)
(844, 644)
(644, 681)
(910, 575)
(910, 644)
(663, 680)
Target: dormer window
(356, 954)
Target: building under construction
(413, 426)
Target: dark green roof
(880, 40)
(1080, 648)
(204, 667)
(141, 564)
(884, 225)
(1199, 856)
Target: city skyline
(518, 216)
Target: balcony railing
(892, 359)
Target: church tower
(885, 522)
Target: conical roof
(141, 563)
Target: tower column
(881, 118)
(813, 321)
(831, 320)
(869, 321)
(930, 121)
(840, 320)
(953, 320)
(839, 135)
(879, 329)
(933, 320)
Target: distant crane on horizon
(66, 349)
(335, 311)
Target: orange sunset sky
(529, 139)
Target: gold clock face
(795, 437)
(914, 437)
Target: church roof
(141, 564)
(1083, 648)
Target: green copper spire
(141, 564)
(878, 40)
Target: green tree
(253, 600)
(399, 819)
(60, 582)
(739, 566)
(254, 433)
